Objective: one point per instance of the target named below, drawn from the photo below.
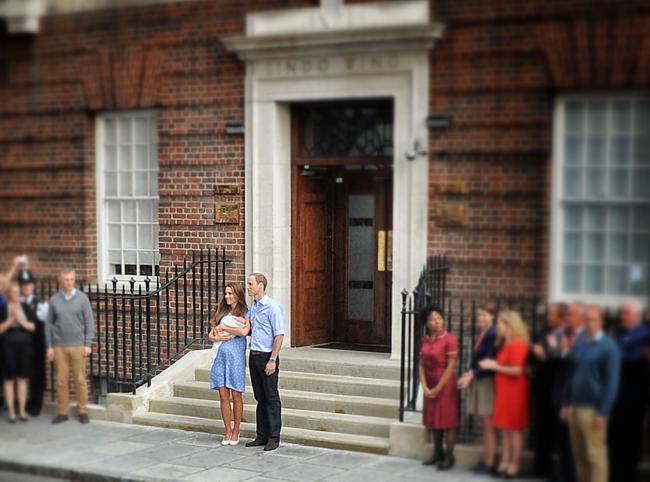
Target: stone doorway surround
(334, 52)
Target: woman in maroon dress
(511, 402)
(438, 355)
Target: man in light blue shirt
(267, 321)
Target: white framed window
(601, 199)
(127, 195)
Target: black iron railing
(144, 327)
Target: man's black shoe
(271, 445)
(83, 418)
(256, 443)
(60, 419)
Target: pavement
(105, 451)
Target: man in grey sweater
(69, 334)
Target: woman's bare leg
(8, 386)
(489, 441)
(516, 444)
(238, 409)
(21, 385)
(226, 411)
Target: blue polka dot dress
(229, 367)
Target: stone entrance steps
(331, 398)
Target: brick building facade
(502, 72)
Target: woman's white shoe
(234, 442)
(225, 442)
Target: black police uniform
(37, 379)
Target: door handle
(381, 250)
(389, 250)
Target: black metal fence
(461, 319)
(143, 327)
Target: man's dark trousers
(265, 389)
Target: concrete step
(344, 441)
(340, 362)
(324, 402)
(322, 383)
(304, 419)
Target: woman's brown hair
(223, 308)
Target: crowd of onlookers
(32, 332)
(583, 389)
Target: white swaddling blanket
(229, 321)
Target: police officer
(36, 312)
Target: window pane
(571, 279)
(572, 183)
(643, 117)
(153, 157)
(145, 239)
(126, 188)
(111, 184)
(641, 184)
(621, 116)
(126, 163)
(573, 218)
(639, 284)
(115, 262)
(110, 131)
(618, 182)
(617, 248)
(595, 183)
(641, 219)
(594, 281)
(617, 280)
(153, 184)
(595, 218)
(642, 149)
(141, 157)
(620, 150)
(130, 237)
(575, 115)
(145, 211)
(124, 131)
(594, 247)
(128, 211)
(641, 248)
(114, 211)
(141, 130)
(114, 236)
(156, 237)
(618, 219)
(597, 116)
(573, 151)
(141, 184)
(110, 158)
(572, 247)
(596, 151)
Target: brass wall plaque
(226, 213)
(226, 189)
(381, 250)
(451, 215)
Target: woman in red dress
(438, 355)
(511, 389)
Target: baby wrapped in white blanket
(231, 322)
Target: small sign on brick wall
(226, 213)
(451, 215)
(457, 188)
(226, 189)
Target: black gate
(143, 327)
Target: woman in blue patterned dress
(228, 374)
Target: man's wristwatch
(272, 359)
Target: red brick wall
(496, 72)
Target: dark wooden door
(312, 273)
(363, 269)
